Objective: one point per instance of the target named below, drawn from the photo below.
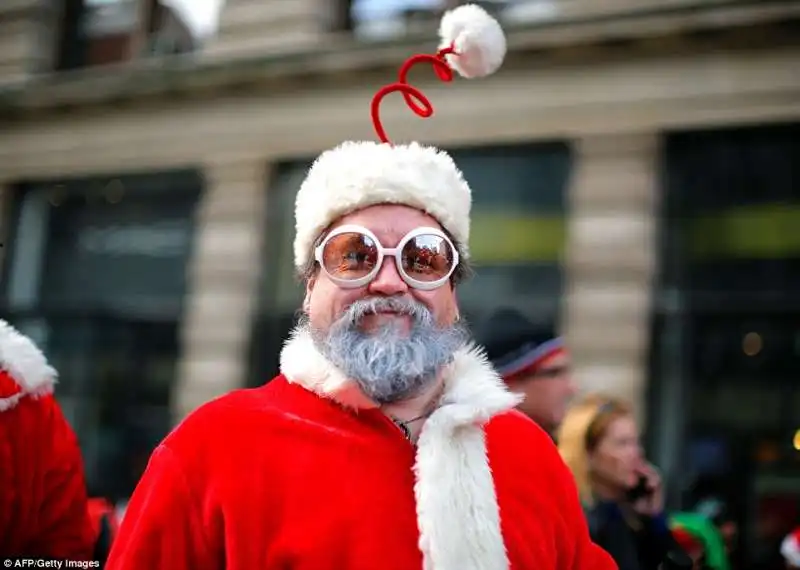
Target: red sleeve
(162, 526)
(64, 528)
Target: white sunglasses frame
(382, 253)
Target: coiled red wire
(414, 98)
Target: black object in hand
(640, 491)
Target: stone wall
(255, 27)
(611, 256)
(535, 102)
(223, 275)
(19, 40)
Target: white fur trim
(355, 175)
(25, 364)
(457, 511)
(303, 364)
(10, 402)
(790, 550)
(478, 39)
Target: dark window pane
(726, 338)
(96, 276)
(518, 228)
(733, 211)
(119, 244)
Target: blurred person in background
(43, 506)
(372, 448)
(790, 550)
(533, 362)
(622, 492)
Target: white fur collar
(25, 364)
(453, 479)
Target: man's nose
(388, 281)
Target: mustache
(401, 305)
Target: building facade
(146, 205)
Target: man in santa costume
(388, 441)
(43, 505)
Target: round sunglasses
(352, 256)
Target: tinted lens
(427, 257)
(349, 255)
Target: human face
(547, 392)
(326, 301)
(390, 338)
(616, 460)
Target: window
(733, 211)
(726, 341)
(381, 20)
(517, 238)
(375, 19)
(101, 32)
(95, 273)
(518, 228)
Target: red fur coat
(305, 473)
(43, 507)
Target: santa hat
(356, 175)
(24, 370)
(790, 548)
(515, 345)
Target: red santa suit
(306, 473)
(43, 505)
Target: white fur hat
(355, 175)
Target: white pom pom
(477, 38)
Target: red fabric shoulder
(512, 425)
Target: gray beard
(390, 364)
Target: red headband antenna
(414, 97)
(473, 44)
